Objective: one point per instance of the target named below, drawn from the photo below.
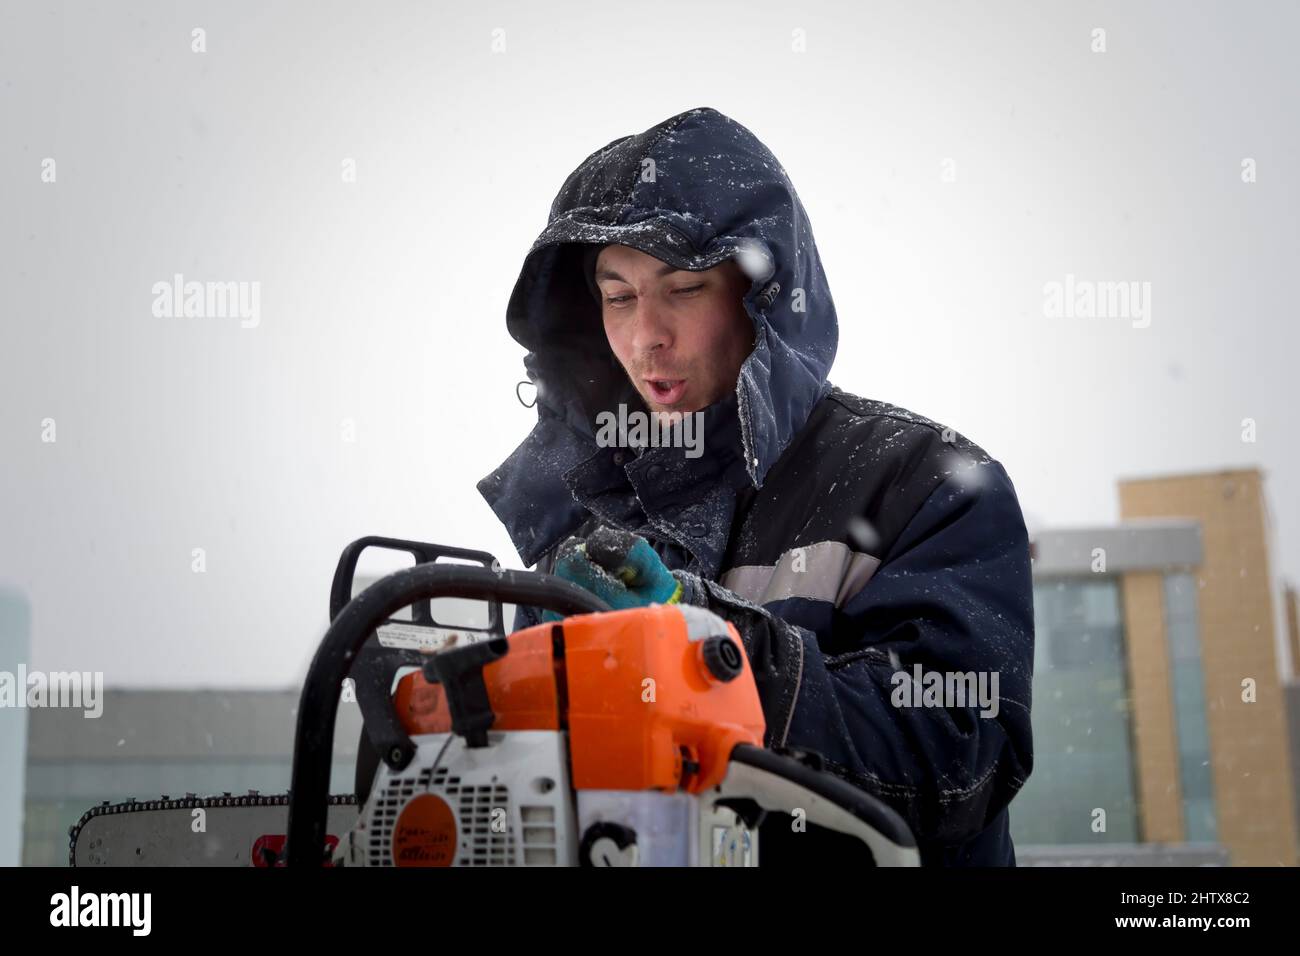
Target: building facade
(15, 626)
(1100, 719)
(1250, 791)
(1163, 725)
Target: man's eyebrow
(663, 270)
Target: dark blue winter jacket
(859, 549)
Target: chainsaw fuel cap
(722, 659)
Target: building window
(1188, 685)
(1083, 754)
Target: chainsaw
(606, 738)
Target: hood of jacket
(692, 191)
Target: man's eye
(617, 299)
(688, 290)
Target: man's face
(681, 336)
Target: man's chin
(669, 416)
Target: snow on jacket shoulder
(884, 548)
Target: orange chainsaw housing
(630, 687)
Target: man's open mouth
(667, 391)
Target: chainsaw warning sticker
(425, 834)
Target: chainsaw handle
(423, 552)
(313, 747)
(376, 665)
(772, 781)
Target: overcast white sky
(383, 300)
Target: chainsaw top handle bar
(313, 747)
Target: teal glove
(618, 567)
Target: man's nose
(653, 330)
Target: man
(858, 548)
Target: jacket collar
(558, 475)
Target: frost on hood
(692, 191)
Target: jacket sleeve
(952, 595)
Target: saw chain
(189, 802)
